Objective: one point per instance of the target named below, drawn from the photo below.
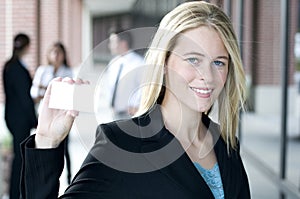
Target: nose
(205, 72)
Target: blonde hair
(185, 17)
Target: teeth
(206, 91)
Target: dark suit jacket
(19, 106)
(128, 160)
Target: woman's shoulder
(13, 67)
(133, 133)
(150, 120)
(45, 66)
(41, 68)
(123, 133)
(12, 63)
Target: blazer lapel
(226, 165)
(166, 154)
(229, 169)
(172, 161)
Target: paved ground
(261, 138)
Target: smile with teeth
(202, 91)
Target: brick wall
(61, 21)
(45, 22)
(49, 26)
(71, 29)
(2, 44)
(18, 16)
(261, 42)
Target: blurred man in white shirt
(125, 71)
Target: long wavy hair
(185, 17)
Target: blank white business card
(67, 96)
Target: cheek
(61, 57)
(52, 57)
(178, 71)
(188, 74)
(181, 73)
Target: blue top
(212, 177)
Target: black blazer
(19, 106)
(124, 163)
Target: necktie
(116, 86)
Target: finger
(73, 113)
(57, 79)
(81, 81)
(78, 81)
(68, 80)
(70, 117)
(86, 81)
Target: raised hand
(54, 124)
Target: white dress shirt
(128, 89)
(43, 76)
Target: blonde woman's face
(56, 56)
(197, 69)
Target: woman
(19, 113)
(57, 67)
(171, 149)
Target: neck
(56, 66)
(183, 122)
(20, 56)
(124, 52)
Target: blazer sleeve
(41, 169)
(95, 180)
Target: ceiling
(107, 7)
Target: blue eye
(192, 60)
(219, 63)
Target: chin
(203, 109)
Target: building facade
(45, 22)
(83, 24)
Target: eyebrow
(202, 55)
(223, 57)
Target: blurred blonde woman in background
(58, 66)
